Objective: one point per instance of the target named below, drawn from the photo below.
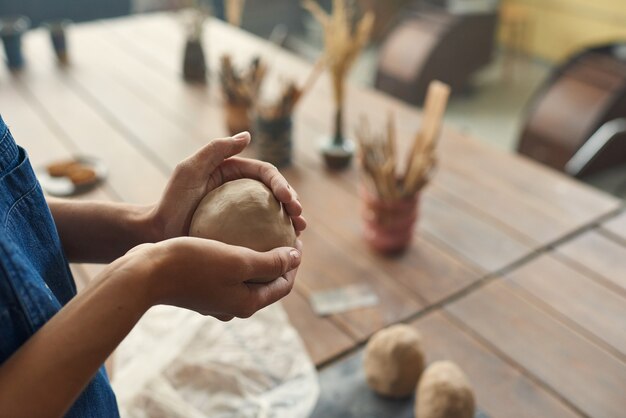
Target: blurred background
(519, 69)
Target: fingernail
(295, 256)
(241, 135)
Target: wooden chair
(605, 148)
(572, 106)
(433, 43)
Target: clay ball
(444, 392)
(245, 213)
(394, 361)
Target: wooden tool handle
(424, 145)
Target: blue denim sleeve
(15, 328)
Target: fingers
(208, 158)
(299, 223)
(236, 168)
(268, 293)
(271, 264)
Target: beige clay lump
(245, 213)
(444, 392)
(394, 361)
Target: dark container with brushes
(273, 138)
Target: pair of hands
(207, 276)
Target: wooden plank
(590, 378)
(322, 338)
(190, 105)
(32, 131)
(397, 304)
(501, 390)
(158, 138)
(328, 264)
(525, 217)
(476, 240)
(87, 130)
(76, 118)
(617, 225)
(538, 223)
(580, 301)
(311, 154)
(558, 194)
(429, 272)
(602, 257)
(28, 129)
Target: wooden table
(517, 272)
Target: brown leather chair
(572, 105)
(433, 43)
(605, 148)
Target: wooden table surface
(517, 273)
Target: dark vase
(338, 151)
(11, 30)
(194, 65)
(273, 140)
(59, 39)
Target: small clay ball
(394, 361)
(245, 213)
(444, 392)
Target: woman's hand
(210, 277)
(57, 362)
(120, 227)
(208, 169)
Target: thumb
(267, 266)
(215, 152)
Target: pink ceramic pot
(388, 225)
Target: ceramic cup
(273, 140)
(388, 226)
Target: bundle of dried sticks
(289, 96)
(378, 154)
(242, 88)
(342, 40)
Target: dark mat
(344, 394)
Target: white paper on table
(176, 363)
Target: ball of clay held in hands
(444, 392)
(244, 213)
(394, 361)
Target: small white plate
(63, 186)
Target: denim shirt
(35, 279)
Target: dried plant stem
(421, 158)
(342, 44)
(378, 154)
(234, 11)
(312, 78)
(291, 95)
(338, 134)
(242, 87)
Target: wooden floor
(517, 272)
